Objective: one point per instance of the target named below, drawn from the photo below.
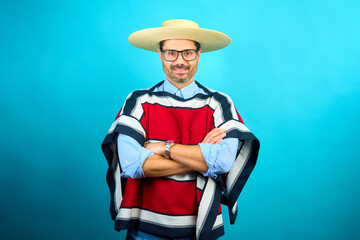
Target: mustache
(179, 66)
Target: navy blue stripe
(212, 214)
(111, 183)
(235, 133)
(204, 88)
(216, 233)
(222, 99)
(161, 231)
(131, 101)
(171, 179)
(130, 132)
(236, 120)
(173, 107)
(225, 106)
(167, 94)
(240, 182)
(166, 214)
(109, 175)
(109, 154)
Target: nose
(180, 60)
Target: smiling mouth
(180, 71)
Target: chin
(180, 80)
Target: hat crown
(180, 23)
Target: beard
(181, 79)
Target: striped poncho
(187, 205)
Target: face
(179, 72)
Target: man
(178, 150)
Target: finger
(213, 133)
(215, 140)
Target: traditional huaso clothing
(186, 205)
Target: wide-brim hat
(150, 38)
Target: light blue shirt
(219, 157)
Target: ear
(159, 54)
(198, 58)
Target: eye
(188, 53)
(171, 53)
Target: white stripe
(234, 209)
(132, 123)
(205, 205)
(169, 101)
(129, 122)
(138, 111)
(239, 164)
(154, 140)
(156, 218)
(113, 125)
(194, 103)
(116, 175)
(218, 222)
(117, 194)
(200, 182)
(218, 114)
(183, 177)
(232, 124)
(232, 108)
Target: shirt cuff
(206, 151)
(134, 170)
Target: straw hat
(150, 38)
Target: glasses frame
(182, 55)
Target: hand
(215, 136)
(157, 148)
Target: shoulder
(217, 96)
(142, 92)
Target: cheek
(194, 68)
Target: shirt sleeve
(131, 156)
(220, 157)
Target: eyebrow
(179, 50)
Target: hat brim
(150, 38)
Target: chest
(185, 123)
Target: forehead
(179, 44)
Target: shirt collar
(186, 92)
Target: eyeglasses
(172, 55)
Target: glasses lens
(170, 55)
(189, 55)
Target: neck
(180, 85)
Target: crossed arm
(184, 158)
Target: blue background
(292, 70)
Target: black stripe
(131, 101)
(174, 107)
(160, 213)
(204, 88)
(171, 179)
(240, 182)
(161, 231)
(216, 233)
(236, 133)
(109, 175)
(130, 132)
(236, 120)
(205, 232)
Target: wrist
(168, 145)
